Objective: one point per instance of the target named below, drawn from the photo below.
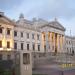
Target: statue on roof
(21, 16)
(1, 13)
(55, 19)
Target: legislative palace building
(22, 41)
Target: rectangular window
(15, 45)
(26, 58)
(21, 34)
(0, 56)
(38, 36)
(27, 35)
(8, 57)
(45, 48)
(21, 46)
(0, 44)
(8, 44)
(33, 46)
(27, 46)
(0, 30)
(38, 47)
(15, 33)
(8, 31)
(32, 36)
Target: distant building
(70, 44)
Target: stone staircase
(54, 59)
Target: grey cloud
(55, 8)
(49, 8)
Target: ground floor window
(0, 56)
(0, 44)
(26, 58)
(8, 57)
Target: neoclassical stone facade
(51, 34)
(70, 44)
(14, 55)
(30, 39)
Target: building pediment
(54, 24)
(6, 20)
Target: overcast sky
(64, 10)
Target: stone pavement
(54, 65)
(53, 69)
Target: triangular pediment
(54, 24)
(6, 20)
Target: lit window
(8, 44)
(0, 30)
(0, 44)
(8, 31)
(15, 33)
(26, 58)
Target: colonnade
(52, 42)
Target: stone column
(54, 43)
(50, 41)
(4, 38)
(43, 41)
(61, 45)
(53, 39)
(47, 42)
(58, 43)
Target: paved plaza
(53, 70)
(50, 67)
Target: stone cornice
(28, 27)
